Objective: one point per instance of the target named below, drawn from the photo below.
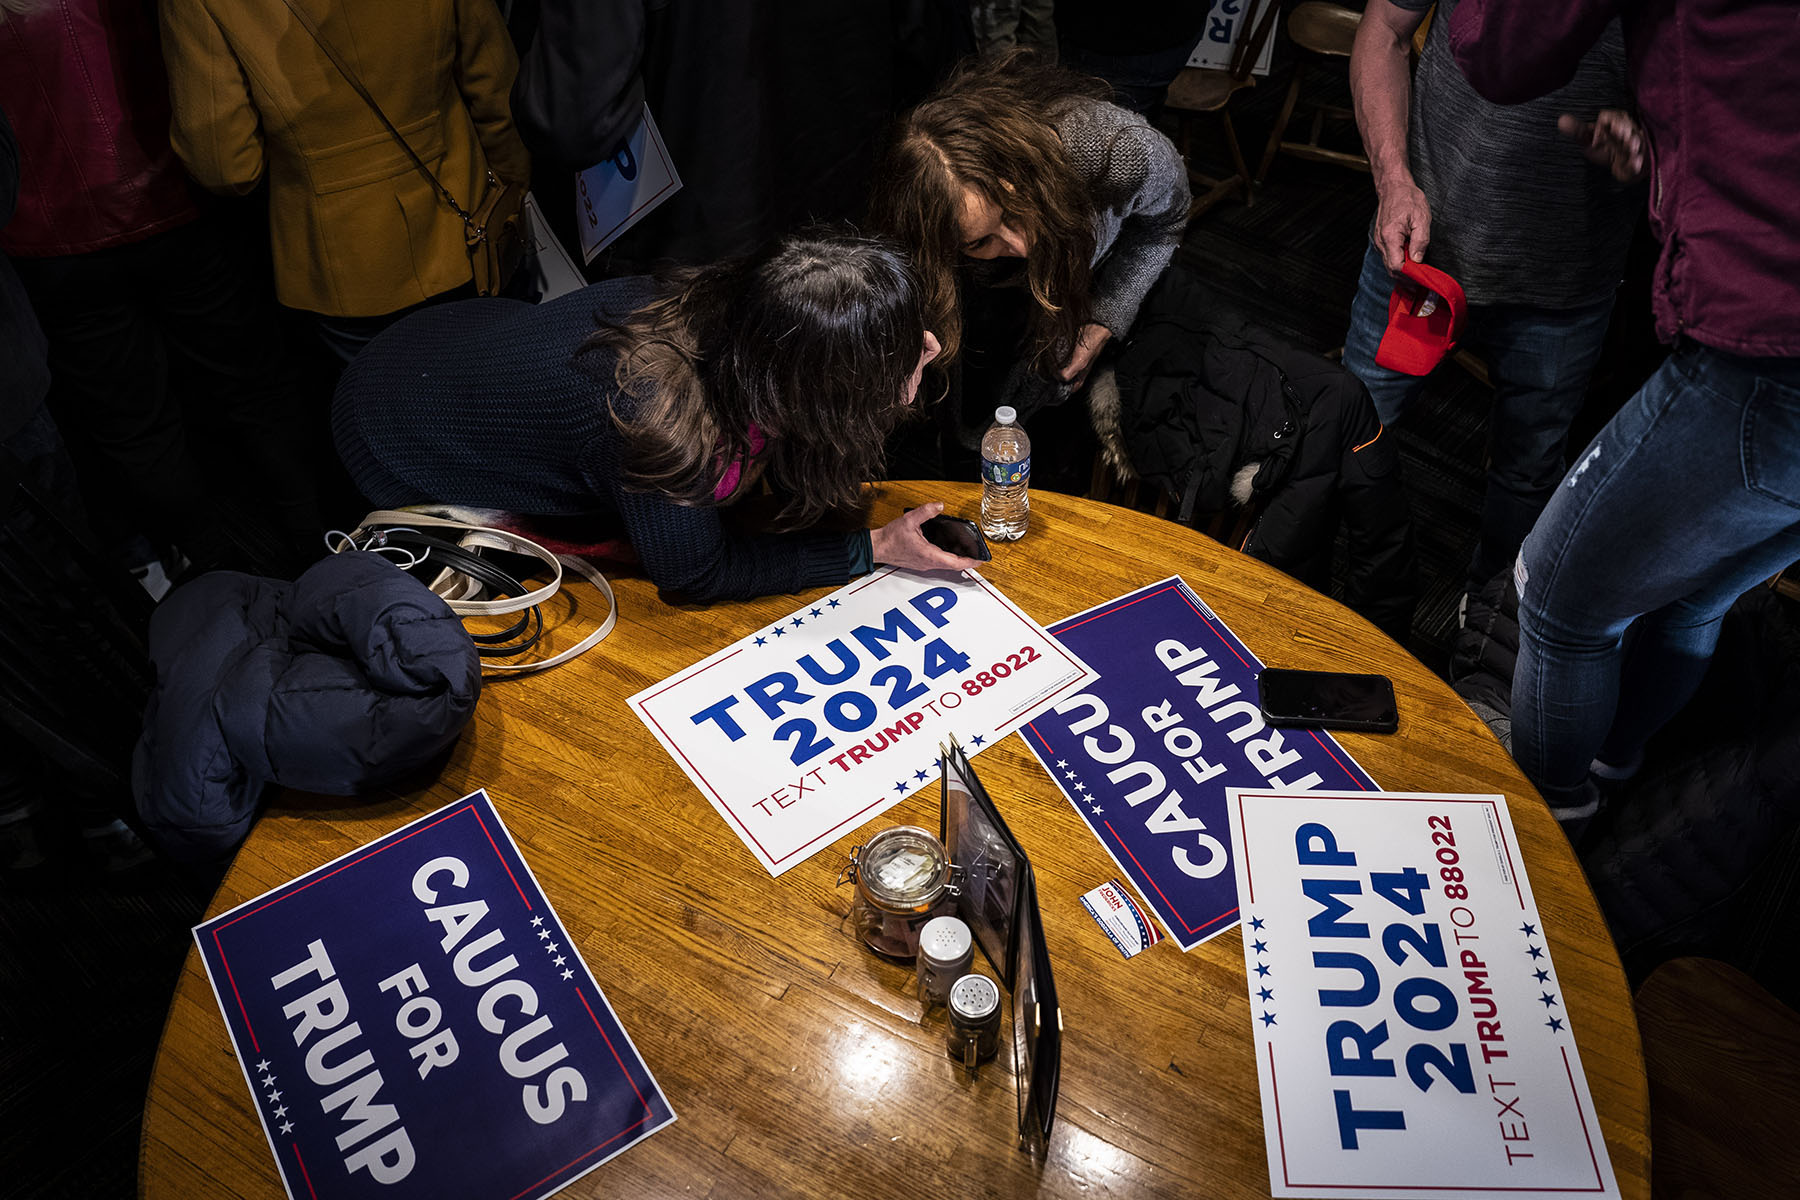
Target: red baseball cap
(1414, 344)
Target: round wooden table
(796, 1061)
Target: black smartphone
(1328, 700)
(958, 535)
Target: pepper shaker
(974, 1021)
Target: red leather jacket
(83, 83)
(1715, 91)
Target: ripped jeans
(1688, 498)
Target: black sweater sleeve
(687, 551)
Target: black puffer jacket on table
(1676, 850)
(1203, 398)
(350, 676)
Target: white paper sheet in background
(830, 716)
(612, 196)
(1411, 1034)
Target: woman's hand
(1087, 345)
(900, 544)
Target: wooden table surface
(797, 1061)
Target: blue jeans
(1540, 360)
(1688, 498)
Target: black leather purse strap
(351, 78)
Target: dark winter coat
(1206, 401)
(338, 682)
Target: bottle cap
(945, 940)
(973, 997)
(1005, 414)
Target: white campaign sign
(1225, 27)
(832, 715)
(612, 196)
(1411, 1034)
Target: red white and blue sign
(415, 1021)
(1147, 753)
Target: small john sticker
(1121, 918)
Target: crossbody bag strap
(351, 78)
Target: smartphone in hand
(956, 535)
(1328, 700)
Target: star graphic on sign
(544, 934)
(559, 960)
(1542, 975)
(1529, 930)
(1061, 764)
(1256, 923)
(1260, 947)
(1268, 1019)
(831, 604)
(1265, 993)
(1080, 787)
(1548, 998)
(268, 1081)
(778, 631)
(1070, 774)
(978, 739)
(762, 641)
(536, 921)
(263, 1065)
(550, 947)
(919, 774)
(817, 613)
(287, 1127)
(274, 1096)
(281, 1112)
(1262, 969)
(1535, 951)
(568, 974)
(1554, 1024)
(797, 622)
(1098, 810)
(900, 787)
(938, 763)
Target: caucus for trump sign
(1147, 752)
(832, 715)
(414, 1021)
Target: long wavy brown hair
(812, 340)
(992, 127)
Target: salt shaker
(946, 952)
(974, 1020)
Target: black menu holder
(999, 902)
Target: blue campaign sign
(414, 1021)
(1147, 752)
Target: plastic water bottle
(1005, 478)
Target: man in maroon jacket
(1691, 494)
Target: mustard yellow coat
(356, 230)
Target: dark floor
(86, 968)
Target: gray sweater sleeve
(1141, 203)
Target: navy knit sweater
(483, 403)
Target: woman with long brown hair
(653, 404)
(1015, 159)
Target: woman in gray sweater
(1012, 159)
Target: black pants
(170, 385)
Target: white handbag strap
(501, 539)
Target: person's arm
(214, 124)
(485, 67)
(1148, 175)
(579, 94)
(1381, 88)
(1512, 51)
